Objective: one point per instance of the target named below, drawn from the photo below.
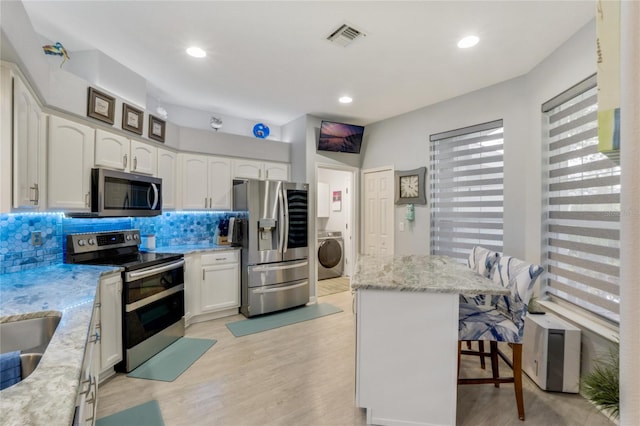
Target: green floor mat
(280, 319)
(173, 360)
(147, 414)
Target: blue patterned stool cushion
(481, 322)
(519, 277)
(481, 260)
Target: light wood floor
(304, 374)
(333, 285)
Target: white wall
(403, 142)
(337, 180)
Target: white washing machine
(330, 254)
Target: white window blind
(467, 189)
(582, 198)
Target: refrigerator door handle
(282, 225)
(269, 267)
(285, 204)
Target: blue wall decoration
(56, 49)
(260, 130)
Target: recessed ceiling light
(468, 41)
(196, 52)
(345, 99)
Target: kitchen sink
(29, 336)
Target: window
(582, 205)
(467, 189)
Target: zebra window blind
(582, 205)
(467, 189)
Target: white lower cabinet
(220, 287)
(212, 285)
(87, 398)
(110, 324)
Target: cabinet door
(70, 159)
(192, 280)
(28, 141)
(248, 169)
(220, 287)
(219, 183)
(167, 169)
(143, 158)
(110, 321)
(195, 193)
(276, 171)
(112, 151)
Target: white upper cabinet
(206, 182)
(143, 158)
(70, 159)
(251, 169)
(112, 151)
(28, 148)
(167, 170)
(117, 152)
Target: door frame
(352, 247)
(391, 169)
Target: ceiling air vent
(345, 35)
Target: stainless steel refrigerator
(273, 229)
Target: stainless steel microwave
(115, 194)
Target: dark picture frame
(132, 119)
(415, 174)
(101, 106)
(157, 128)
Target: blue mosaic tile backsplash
(171, 229)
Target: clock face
(409, 186)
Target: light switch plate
(36, 238)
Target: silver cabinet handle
(36, 193)
(124, 161)
(206, 200)
(86, 199)
(210, 202)
(135, 163)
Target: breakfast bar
(407, 334)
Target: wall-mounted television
(340, 137)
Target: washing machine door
(329, 253)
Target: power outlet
(36, 238)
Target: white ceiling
(271, 61)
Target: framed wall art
(101, 106)
(132, 119)
(156, 128)
(410, 186)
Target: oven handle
(143, 273)
(154, 298)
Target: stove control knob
(135, 236)
(91, 241)
(128, 237)
(81, 242)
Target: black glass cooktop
(126, 259)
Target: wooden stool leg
(494, 362)
(481, 349)
(517, 378)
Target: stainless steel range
(153, 290)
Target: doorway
(336, 208)
(378, 211)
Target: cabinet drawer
(220, 257)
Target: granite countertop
(194, 248)
(420, 273)
(48, 395)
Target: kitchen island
(407, 336)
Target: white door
(378, 212)
(219, 183)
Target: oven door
(143, 283)
(148, 317)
